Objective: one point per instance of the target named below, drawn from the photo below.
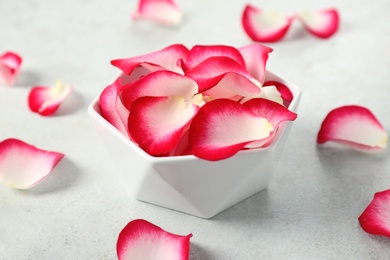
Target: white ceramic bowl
(187, 183)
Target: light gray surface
(311, 207)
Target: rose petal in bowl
(354, 126)
(165, 12)
(141, 239)
(23, 166)
(323, 23)
(10, 63)
(264, 26)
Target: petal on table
(112, 109)
(223, 127)
(354, 126)
(256, 56)
(10, 63)
(157, 123)
(160, 83)
(199, 53)
(322, 24)
(264, 26)
(212, 70)
(140, 239)
(46, 100)
(23, 166)
(168, 58)
(165, 12)
(285, 92)
(375, 219)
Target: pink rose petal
(143, 240)
(264, 26)
(322, 24)
(112, 109)
(157, 124)
(23, 166)
(255, 57)
(354, 126)
(10, 63)
(375, 219)
(46, 100)
(159, 83)
(165, 12)
(168, 58)
(223, 127)
(285, 92)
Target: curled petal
(168, 58)
(354, 126)
(285, 92)
(264, 26)
(46, 100)
(223, 127)
(212, 70)
(256, 56)
(112, 109)
(140, 239)
(375, 219)
(159, 83)
(158, 123)
(165, 12)
(10, 63)
(23, 166)
(322, 24)
(199, 53)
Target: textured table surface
(309, 210)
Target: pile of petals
(209, 101)
(353, 126)
(141, 239)
(23, 166)
(269, 26)
(375, 219)
(10, 63)
(165, 12)
(46, 100)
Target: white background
(309, 211)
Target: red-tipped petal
(375, 219)
(354, 126)
(158, 123)
(285, 92)
(168, 58)
(159, 83)
(23, 166)
(112, 109)
(322, 24)
(165, 12)
(212, 70)
(10, 63)
(140, 239)
(46, 100)
(222, 127)
(264, 26)
(256, 56)
(199, 53)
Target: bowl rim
(94, 112)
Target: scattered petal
(354, 126)
(168, 58)
(255, 57)
(375, 219)
(264, 26)
(112, 109)
(322, 24)
(140, 239)
(157, 124)
(285, 92)
(10, 63)
(165, 12)
(23, 166)
(46, 100)
(159, 83)
(223, 127)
